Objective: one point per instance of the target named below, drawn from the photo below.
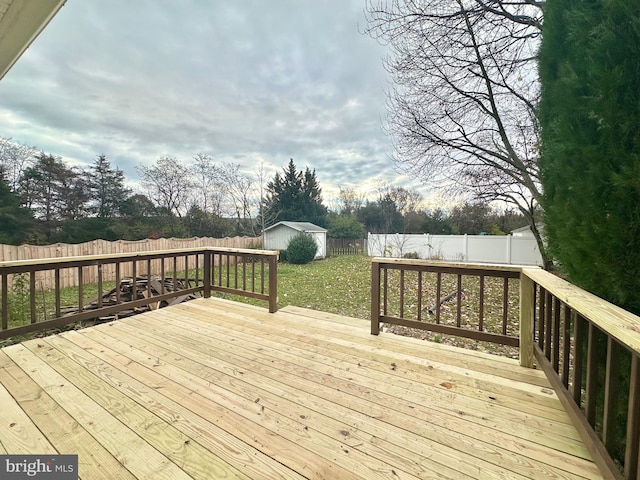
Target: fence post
(273, 283)
(375, 297)
(526, 320)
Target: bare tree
(169, 184)
(15, 158)
(239, 189)
(407, 201)
(208, 182)
(265, 218)
(350, 201)
(462, 107)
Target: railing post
(273, 283)
(207, 274)
(526, 320)
(375, 298)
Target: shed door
(320, 240)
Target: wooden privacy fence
(346, 246)
(588, 348)
(248, 273)
(45, 278)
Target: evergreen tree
(54, 192)
(295, 196)
(590, 117)
(106, 187)
(16, 222)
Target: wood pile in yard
(140, 288)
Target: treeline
(44, 200)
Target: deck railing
(243, 272)
(588, 348)
(398, 298)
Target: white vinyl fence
(462, 248)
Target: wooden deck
(215, 389)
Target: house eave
(21, 21)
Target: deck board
(217, 389)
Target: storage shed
(277, 237)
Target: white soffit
(20, 23)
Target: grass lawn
(340, 284)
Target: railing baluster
(592, 376)
(632, 447)
(555, 340)
(579, 334)
(273, 284)
(207, 274)
(56, 275)
(541, 317)
(5, 301)
(32, 297)
(134, 283)
(611, 392)
(235, 270)
(80, 289)
(566, 346)
(253, 274)
(175, 269)
(100, 290)
(244, 273)
(548, 317)
(148, 278)
(481, 305)
(162, 278)
(385, 284)
(505, 305)
(459, 301)
(438, 294)
(401, 293)
(375, 298)
(419, 296)
(197, 276)
(118, 280)
(527, 313)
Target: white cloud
(243, 81)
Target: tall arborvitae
(590, 118)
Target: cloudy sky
(246, 82)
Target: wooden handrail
(624, 326)
(588, 348)
(203, 260)
(380, 296)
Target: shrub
(301, 249)
(413, 255)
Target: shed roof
(300, 226)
